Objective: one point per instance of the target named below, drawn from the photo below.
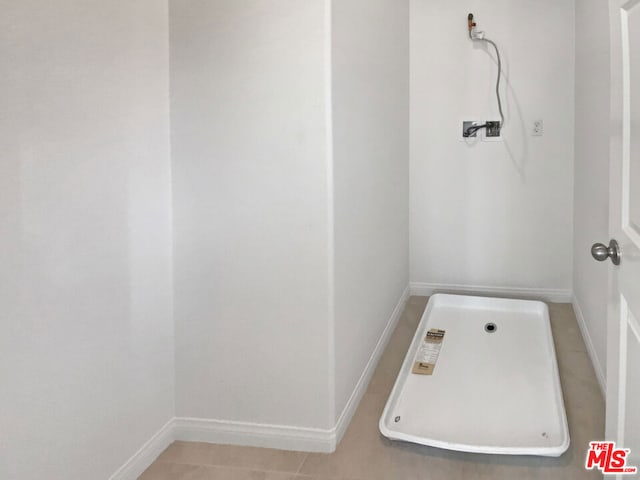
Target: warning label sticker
(427, 356)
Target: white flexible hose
(482, 39)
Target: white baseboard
(261, 435)
(227, 433)
(546, 294)
(286, 437)
(254, 434)
(354, 400)
(589, 344)
(146, 455)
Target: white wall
(251, 211)
(86, 358)
(370, 79)
(492, 214)
(591, 199)
(261, 239)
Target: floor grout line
(304, 459)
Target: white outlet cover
(538, 128)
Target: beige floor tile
(193, 453)
(569, 466)
(579, 394)
(229, 455)
(234, 473)
(565, 328)
(418, 462)
(585, 424)
(417, 300)
(364, 454)
(174, 471)
(309, 477)
(576, 365)
(366, 461)
(171, 471)
(569, 338)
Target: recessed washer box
(494, 388)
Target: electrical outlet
(538, 128)
(493, 129)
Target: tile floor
(364, 454)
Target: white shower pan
(495, 386)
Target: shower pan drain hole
(490, 327)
